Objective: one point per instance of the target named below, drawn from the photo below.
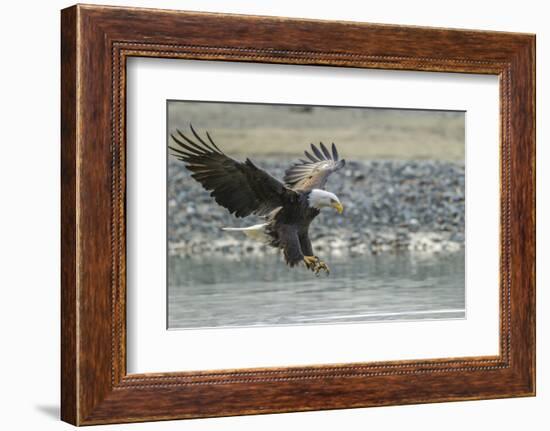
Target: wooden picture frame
(95, 43)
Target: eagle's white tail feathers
(256, 232)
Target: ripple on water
(261, 291)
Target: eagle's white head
(321, 198)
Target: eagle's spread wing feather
(242, 188)
(313, 173)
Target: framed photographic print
(264, 215)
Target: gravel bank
(389, 206)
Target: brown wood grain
(96, 41)
(69, 367)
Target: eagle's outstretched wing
(313, 173)
(242, 188)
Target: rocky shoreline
(390, 206)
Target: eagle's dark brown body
(245, 189)
(289, 228)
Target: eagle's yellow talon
(316, 265)
(310, 262)
(323, 266)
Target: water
(262, 291)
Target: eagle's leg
(312, 262)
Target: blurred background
(397, 251)
(366, 133)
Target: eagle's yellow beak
(338, 206)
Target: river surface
(262, 291)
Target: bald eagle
(288, 207)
